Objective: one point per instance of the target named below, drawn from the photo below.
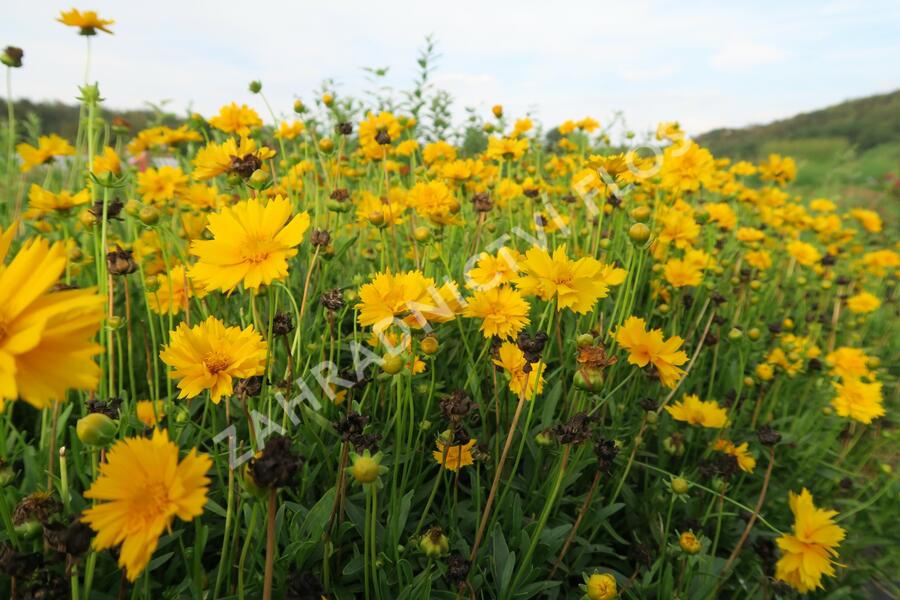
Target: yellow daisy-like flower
(236, 119)
(858, 400)
(681, 274)
(693, 411)
(458, 456)
(251, 244)
(848, 362)
(88, 21)
(202, 196)
(808, 552)
(216, 159)
(159, 185)
(863, 302)
(409, 296)
(745, 461)
(679, 228)
(759, 259)
(576, 285)
(601, 586)
(805, 254)
(869, 219)
(207, 357)
(141, 488)
(46, 337)
(721, 214)
(45, 201)
(646, 347)
(107, 162)
(525, 380)
(778, 169)
(289, 131)
(502, 310)
(150, 413)
(173, 292)
(434, 201)
(49, 146)
(506, 148)
(493, 270)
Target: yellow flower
(601, 586)
(202, 196)
(46, 337)
(521, 126)
(858, 400)
(576, 285)
(88, 21)
(458, 455)
(161, 184)
(694, 411)
(45, 201)
(434, 201)
(216, 159)
(649, 347)
(808, 552)
(721, 214)
(207, 357)
(107, 162)
(385, 210)
(749, 234)
(805, 254)
(778, 169)
(150, 413)
(506, 148)
(689, 542)
(251, 244)
(681, 274)
(686, 167)
(759, 259)
(141, 488)
(437, 151)
(864, 302)
(502, 310)
(493, 270)
(236, 119)
(848, 362)
(289, 131)
(410, 297)
(869, 219)
(525, 379)
(173, 292)
(48, 147)
(679, 228)
(745, 461)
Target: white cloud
(745, 55)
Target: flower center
(216, 362)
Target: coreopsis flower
(410, 297)
(526, 380)
(750, 234)
(209, 355)
(686, 167)
(858, 400)
(236, 119)
(46, 337)
(160, 185)
(689, 542)
(88, 21)
(231, 156)
(778, 169)
(805, 254)
(44, 201)
(745, 461)
(107, 162)
(506, 148)
(203, 197)
(494, 270)
(680, 273)
(601, 586)
(693, 411)
(289, 131)
(863, 302)
(173, 291)
(454, 457)
(759, 259)
(869, 219)
(808, 552)
(150, 413)
(49, 147)
(848, 362)
(879, 261)
(576, 285)
(502, 310)
(648, 347)
(722, 214)
(434, 201)
(438, 151)
(678, 228)
(141, 488)
(252, 242)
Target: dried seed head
(768, 436)
(278, 465)
(333, 300)
(282, 323)
(120, 262)
(482, 202)
(319, 237)
(244, 165)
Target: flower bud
(641, 214)
(255, 87)
(601, 586)
(639, 233)
(148, 215)
(680, 485)
(497, 109)
(392, 364)
(366, 468)
(421, 233)
(326, 145)
(689, 543)
(434, 543)
(96, 429)
(429, 345)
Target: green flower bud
(96, 429)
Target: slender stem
(270, 546)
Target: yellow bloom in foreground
(216, 159)
(848, 362)
(694, 411)
(808, 552)
(601, 586)
(858, 400)
(46, 337)
(88, 21)
(681, 274)
(502, 310)
(107, 162)
(525, 380)
(649, 347)
(864, 302)
(574, 284)
(745, 461)
(458, 456)
(45, 201)
(493, 270)
(410, 297)
(141, 488)
(236, 119)
(48, 147)
(207, 357)
(251, 244)
(148, 414)
(161, 184)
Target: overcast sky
(706, 64)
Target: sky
(704, 64)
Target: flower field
(344, 350)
